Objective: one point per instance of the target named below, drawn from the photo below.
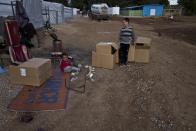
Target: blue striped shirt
(126, 35)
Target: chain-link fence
(52, 15)
(7, 9)
(57, 17)
(68, 13)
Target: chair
(18, 53)
(12, 35)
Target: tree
(78, 3)
(64, 2)
(87, 3)
(122, 3)
(189, 6)
(142, 2)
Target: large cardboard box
(142, 55)
(143, 41)
(33, 72)
(106, 61)
(131, 54)
(109, 48)
(106, 48)
(142, 49)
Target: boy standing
(126, 38)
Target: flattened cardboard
(103, 60)
(33, 72)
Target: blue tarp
(2, 70)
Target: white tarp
(32, 7)
(56, 11)
(75, 11)
(173, 2)
(6, 10)
(34, 12)
(68, 13)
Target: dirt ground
(159, 96)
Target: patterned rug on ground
(52, 95)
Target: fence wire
(7, 9)
(57, 17)
(53, 16)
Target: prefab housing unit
(143, 10)
(153, 10)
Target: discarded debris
(90, 73)
(2, 70)
(79, 65)
(73, 79)
(26, 117)
(162, 123)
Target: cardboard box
(106, 61)
(106, 48)
(143, 41)
(142, 49)
(142, 55)
(131, 54)
(33, 72)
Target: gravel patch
(7, 93)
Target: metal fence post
(48, 13)
(57, 17)
(12, 4)
(72, 11)
(63, 14)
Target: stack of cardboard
(106, 55)
(140, 51)
(33, 72)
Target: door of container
(152, 12)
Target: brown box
(142, 55)
(131, 54)
(33, 72)
(142, 49)
(106, 48)
(143, 41)
(106, 61)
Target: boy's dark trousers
(123, 53)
